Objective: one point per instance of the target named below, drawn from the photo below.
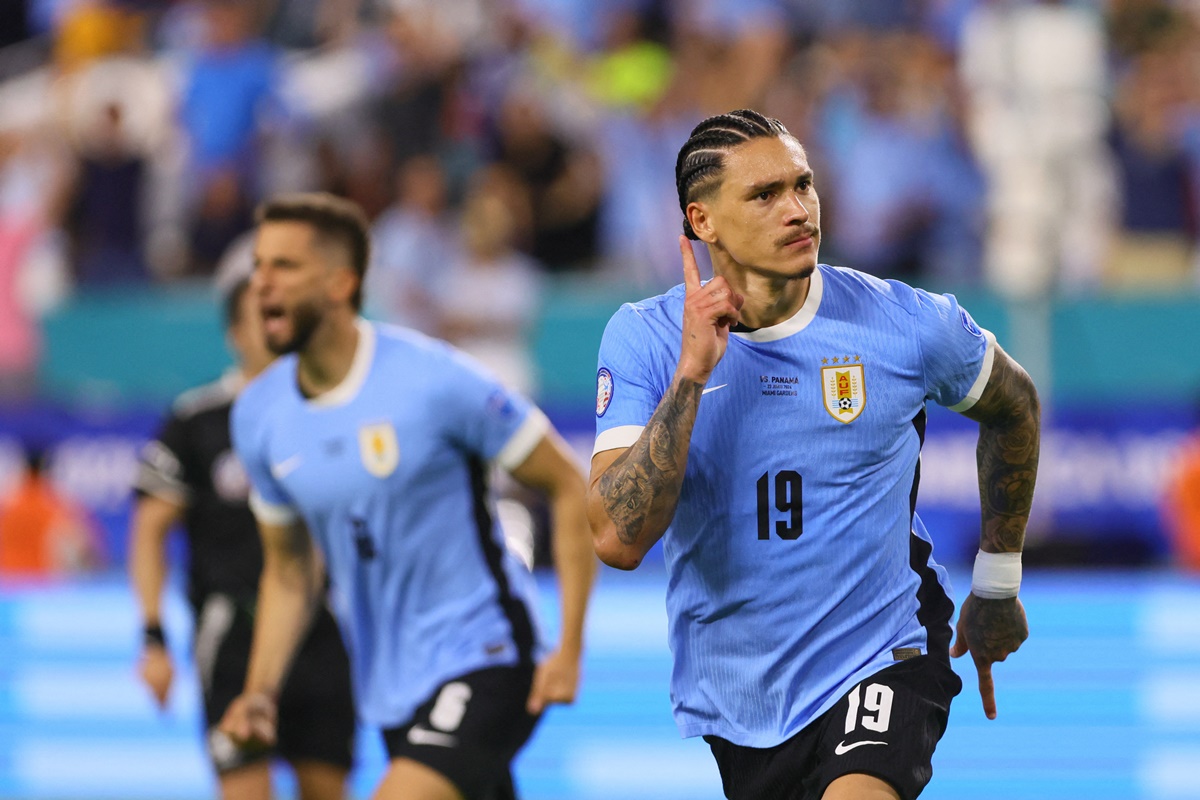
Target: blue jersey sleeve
(628, 385)
(956, 354)
(487, 418)
(268, 500)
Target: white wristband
(996, 575)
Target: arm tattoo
(996, 628)
(1009, 417)
(644, 482)
(297, 542)
(295, 555)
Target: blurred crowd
(1027, 147)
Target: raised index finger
(691, 270)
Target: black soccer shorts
(887, 727)
(470, 730)
(316, 707)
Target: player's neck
(769, 299)
(326, 359)
(251, 366)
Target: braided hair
(702, 157)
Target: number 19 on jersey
(788, 489)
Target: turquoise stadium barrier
(136, 346)
(142, 346)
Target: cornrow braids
(702, 156)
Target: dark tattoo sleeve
(1009, 418)
(642, 486)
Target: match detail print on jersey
(379, 449)
(844, 391)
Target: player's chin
(279, 334)
(280, 344)
(801, 265)
(806, 270)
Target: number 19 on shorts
(788, 488)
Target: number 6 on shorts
(450, 707)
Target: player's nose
(259, 281)
(796, 210)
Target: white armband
(996, 575)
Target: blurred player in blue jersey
(767, 426)
(376, 443)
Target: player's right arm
(288, 589)
(164, 491)
(634, 491)
(287, 596)
(153, 518)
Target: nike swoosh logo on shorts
(419, 735)
(844, 748)
(714, 388)
(286, 467)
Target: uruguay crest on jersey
(379, 449)
(843, 390)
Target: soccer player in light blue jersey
(376, 443)
(767, 426)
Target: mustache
(795, 236)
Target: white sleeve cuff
(270, 513)
(522, 442)
(617, 438)
(157, 484)
(985, 372)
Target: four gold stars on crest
(845, 360)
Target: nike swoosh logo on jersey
(714, 388)
(286, 467)
(844, 748)
(419, 735)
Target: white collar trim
(233, 380)
(364, 354)
(798, 321)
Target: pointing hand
(708, 313)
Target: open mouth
(273, 318)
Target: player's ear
(343, 283)
(701, 221)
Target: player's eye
(804, 185)
(764, 195)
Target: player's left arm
(552, 469)
(992, 622)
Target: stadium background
(1039, 159)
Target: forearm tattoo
(1007, 456)
(644, 482)
(294, 556)
(296, 543)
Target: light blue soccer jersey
(389, 472)
(797, 564)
